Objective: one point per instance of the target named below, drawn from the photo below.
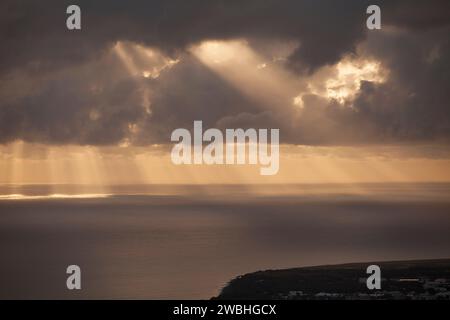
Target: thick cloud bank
(131, 76)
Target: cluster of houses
(402, 289)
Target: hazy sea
(186, 242)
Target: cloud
(64, 87)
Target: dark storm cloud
(189, 92)
(58, 86)
(73, 107)
(414, 103)
(34, 33)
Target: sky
(98, 105)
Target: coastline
(400, 280)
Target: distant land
(400, 280)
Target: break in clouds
(140, 69)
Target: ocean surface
(187, 242)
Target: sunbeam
(265, 82)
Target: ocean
(187, 242)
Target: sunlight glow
(141, 61)
(249, 72)
(92, 171)
(342, 81)
(53, 196)
(350, 74)
(257, 77)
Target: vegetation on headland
(419, 279)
